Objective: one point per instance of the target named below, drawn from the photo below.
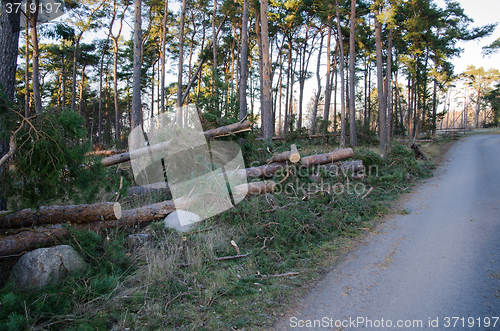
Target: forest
(78, 77)
(369, 70)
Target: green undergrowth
(175, 282)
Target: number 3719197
(48, 8)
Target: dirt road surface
(436, 268)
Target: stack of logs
(28, 228)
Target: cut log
(32, 238)
(73, 214)
(266, 170)
(336, 155)
(228, 129)
(292, 155)
(255, 188)
(218, 132)
(29, 240)
(344, 166)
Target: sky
(482, 12)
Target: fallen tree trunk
(213, 133)
(255, 188)
(74, 214)
(30, 239)
(292, 155)
(228, 129)
(336, 155)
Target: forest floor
(175, 282)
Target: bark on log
(266, 170)
(74, 214)
(214, 133)
(336, 155)
(228, 129)
(255, 188)
(30, 239)
(292, 155)
(344, 166)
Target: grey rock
(39, 267)
(181, 220)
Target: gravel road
(436, 268)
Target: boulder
(37, 268)
(181, 220)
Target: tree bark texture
(336, 155)
(244, 60)
(266, 112)
(292, 155)
(136, 113)
(352, 75)
(218, 132)
(74, 214)
(342, 81)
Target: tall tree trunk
(115, 70)
(181, 65)
(328, 93)
(400, 106)
(244, 60)
(101, 72)
(342, 82)
(388, 88)
(304, 64)
(64, 78)
(9, 41)
(27, 69)
(335, 85)
(82, 84)
(289, 84)
(163, 55)
(434, 107)
(352, 58)
(318, 93)
(75, 60)
(369, 122)
(214, 67)
(365, 104)
(36, 55)
(115, 90)
(380, 85)
(136, 112)
(267, 120)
